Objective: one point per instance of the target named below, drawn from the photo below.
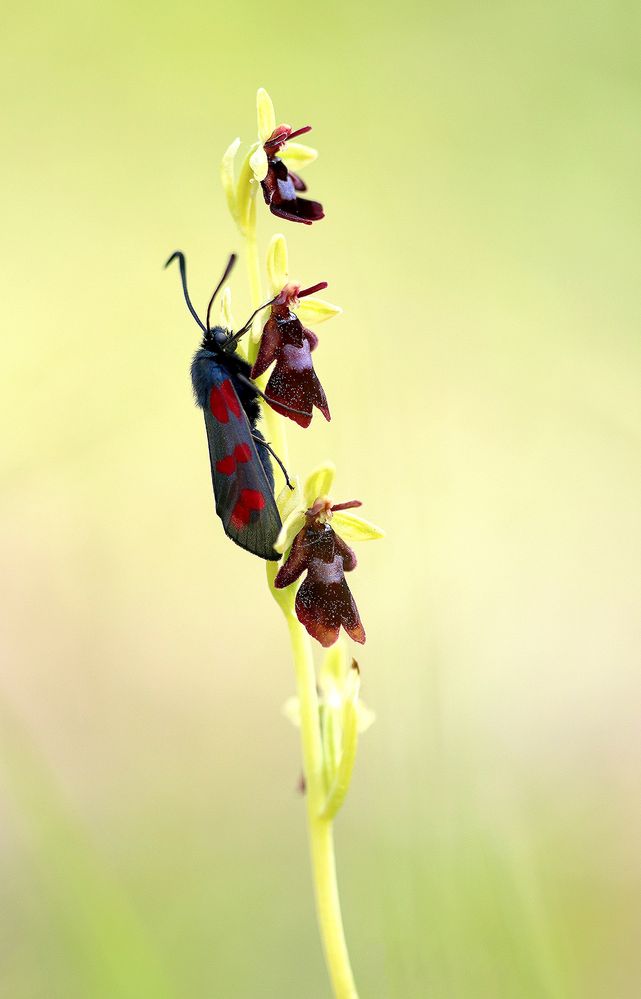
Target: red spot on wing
(249, 500)
(230, 397)
(227, 465)
(223, 401)
(253, 498)
(218, 405)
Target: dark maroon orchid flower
(281, 186)
(293, 383)
(324, 601)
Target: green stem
(321, 836)
(274, 425)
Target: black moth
(241, 471)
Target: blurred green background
(479, 168)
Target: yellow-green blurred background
(479, 168)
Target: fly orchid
(293, 387)
(270, 162)
(313, 536)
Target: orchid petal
(258, 163)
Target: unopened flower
(338, 686)
(324, 602)
(343, 717)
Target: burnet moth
(241, 471)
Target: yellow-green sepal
(354, 528)
(228, 178)
(319, 482)
(296, 155)
(277, 263)
(265, 115)
(246, 189)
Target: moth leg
(259, 440)
(251, 384)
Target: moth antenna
(227, 272)
(243, 329)
(180, 257)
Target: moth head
(218, 338)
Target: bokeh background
(479, 167)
